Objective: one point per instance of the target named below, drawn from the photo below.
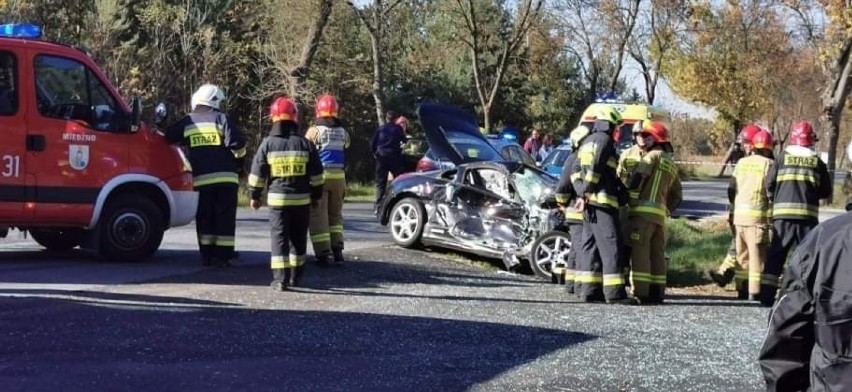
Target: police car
(552, 164)
(77, 166)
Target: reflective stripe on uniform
(320, 237)
(797, 209)
(592, 177)
(206, 239)
(588, 277)
(751, 210)
(291, 261)
(333, 174)
(216, 178)
(203, 134)
(647, 278)
(613, 279)
(649, 207)
(317, 180)
(769, 280)
(287, 199)
(603, 198)
(256, 181)
(224, 240)
(336, 229)
(287, 163)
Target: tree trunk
(302, 71)
(834, 100)
(378, 77)
(486, 117)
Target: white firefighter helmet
(208, 95)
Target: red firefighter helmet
(658, 132)
(802, 134)
(747, 133)
(326, 106)
(284, 109)
(762, 139)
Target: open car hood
(454, 135)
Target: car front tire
(407, 220)
(551, 248)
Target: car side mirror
(135, 114)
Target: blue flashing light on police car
(20, 30)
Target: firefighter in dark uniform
(796, 183)
(657, 189)
(808, 345)
(730, 269)
(566, 195)
(602, 194)
(290, 165)
(216, 150)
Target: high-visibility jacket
(215, 144)
(331, 139)
(565, 192)
(808, 345)
(659, 192)
(751, 201)
(598, 161)
(290, 165)
(627, 164)
(796, 182)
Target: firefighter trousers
(752, 249)
(648, 253)
(575, 231)
(730, 268)
(599, 272)
(788, 233)
(289, 226)
(216, 221)
(327, 219)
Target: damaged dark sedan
(484, 205)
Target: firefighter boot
(322, 260)
(721, 279)
(296, 276)
(280, 278)
(338, 255)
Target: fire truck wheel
(131, 228)
(58, 239)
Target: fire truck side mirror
(161, 113)
(135, 114)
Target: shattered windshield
(533, 185)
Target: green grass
(694, 246)
(360, 192)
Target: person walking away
(533, 144)
(657, 183)
(546, 147)
(386, 146)
(566, 196)
(808, 344)
(330, 139)
(752, 209)
(796, 183)
(216, 151)
(291, 168)
(729, 269)
(599, 187)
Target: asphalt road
(389, 320)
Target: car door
(83, 133)
(13, 127)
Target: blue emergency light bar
(20, 30)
